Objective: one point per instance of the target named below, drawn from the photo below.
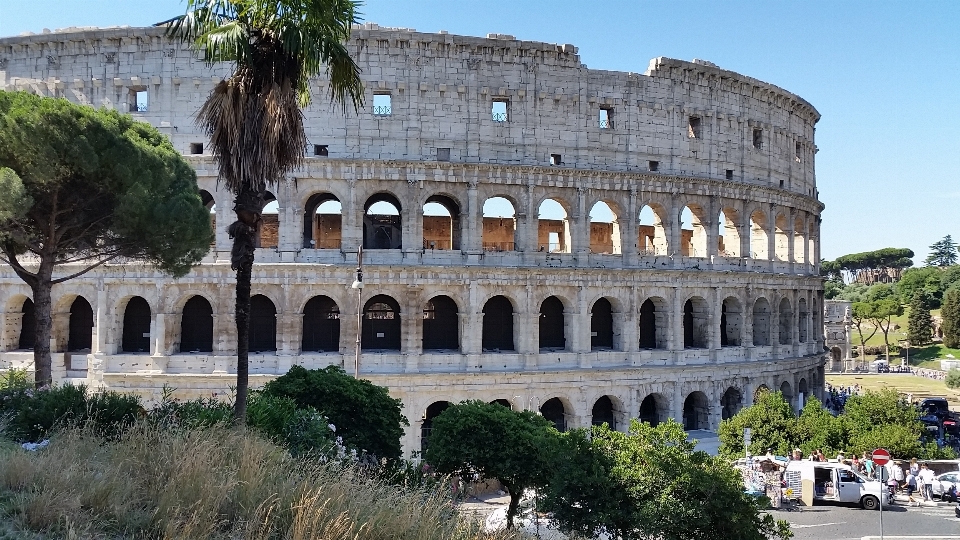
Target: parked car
(942, 485)
(825, 482)
(935, 407)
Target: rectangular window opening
(758, 139)
(654, 166)
(139, 99)
(606, 118)
(196, 148)
(556, 159)
(443, 154)
(796, 153)
(382, 105)
(500, 110)
(321, 150)
(729, 174)
(693, 128)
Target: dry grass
(919, 387)
(207, 484)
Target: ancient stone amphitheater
(595, 245)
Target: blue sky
(885, 75)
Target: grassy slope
(927, 357)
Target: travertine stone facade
(700, 287)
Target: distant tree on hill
(861, 313)
(919, 323)
(882, 313)
(942, 253)
(928, 279)
(951, 317)
(869, 266)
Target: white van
(818, 481)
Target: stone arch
(787, 390)
(268, 229)
(263, 324)
(693, 231)
(497, 334)
(696, 327)
(504, 402)
(803, 392)
(382, 226)
(553, 226)
(731, 322)
(781, 232)
(652, 231)
(836, 354)
(321, 325)
(211, 205)
(759, 245)
(799, 241)
(381, 324)
(804, 322)
(605, 236)
(441, 231)
(696, 411)
(654, 323)
(654, 409)
(28, 326)
(604, 411)
(426, 426)
(601, 325)
(322, 221)
(785, 319)
(441, 324)
(761, 323)
(759, 392)
(196, 326)
(81, 326)
(730, 403)
(729, 227)
(499, 224)
(556, 411)
(136, 326)
(552, 325)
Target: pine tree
(951, 317)
(919, 324)
(942, 253)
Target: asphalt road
(854, 523)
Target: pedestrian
(820, 456)
(911, 485)
(926, 481)
(797, 455)
(840, 457)
(867, 465)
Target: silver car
(942, 484)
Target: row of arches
(759, 235)
(382, 327)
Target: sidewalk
(901, 498)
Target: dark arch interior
(551, 324)
(785, 334)
(206, 199)
(432, 412)
(136, 326)
(553, 410)
(381, 324)
(602, 413)
(761, 323)
(321, 325)
(269, 226)
(652, 410)
(730, 403)
(441, 328)
(321, 231)
(263, 324)
(382, 231)
(441, 232)
(497, 325)
(28, 326)
(601, 325)
(648, 325)
(81, 325)
(696, 412)
(688, 324)
(503, 402)
(196, 326)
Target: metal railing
(606, 124)
(382, 110)
(499, 117)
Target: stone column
(100, 322)
(747, 331)
(158, 331)
(746, 248)
(580, 230)
(527, 226)
(677, 403)
(791, 232)
(412, 223)
(351, 215)
(629, 231)
(673, 228)
(715, 315)
(290, 235)
(472, 232)
(675, 339)
(771, 234)
(411, 332)
(775, 325)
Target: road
(854, 523)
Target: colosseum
(595, 245)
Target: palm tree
(254, 118)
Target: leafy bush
(34, 413)
(953, 378)
(195, 413)
(112, 413)
(301, 430)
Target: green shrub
(112, 413)
(195, 413)
(34, 413)
(301, 430)
(953, 378)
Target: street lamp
(358, 285)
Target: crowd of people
(835, 397)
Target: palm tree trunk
(248, 205)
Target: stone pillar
(158, 331)
(629, 231)
(290, 234)
(629, 337)
(225, 216)
(673, 228)
(771, 234)
(527, 226)
(351, 215)
(98, 343)
(775, 325)
(677, 403)
(746, 399)
(471, 333)
(791, 234)
(580, 230)
(472, 218)
(675, 339)
(715, 315)
(746, 248)
(412, 224)
(747, 332)
(411, 332)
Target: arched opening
(762, 389)
(81, 326)
(381, 223)
(322, 222)
(652, 235)
(269, 234)
(729, 243)
(758, 235)
(802, 392)
(499, 225)
(799, 242)
(553, 229)
(654, 408)
(136, 326)
(207, 199)
(836, 354)
(441, 325)
(787, 390)
(601, 325)
(321, 325)
(695, 323)
(196, 326)
(603, 413)
(730, 403)
(503, 402)
(441, 223)
(426, 427)
(781, 238)
(263, 324)
(604, 230)
(693, 234)
(551, 324)
(28, 326)
(731, 323)
(653, 324)
(381, 324)
(497, 325)
(785, 327)
(812, 243)
(554, 411)
(696, 411)
(804, 321)
(761, 323)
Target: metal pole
(356, 364)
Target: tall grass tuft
(209, 483)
